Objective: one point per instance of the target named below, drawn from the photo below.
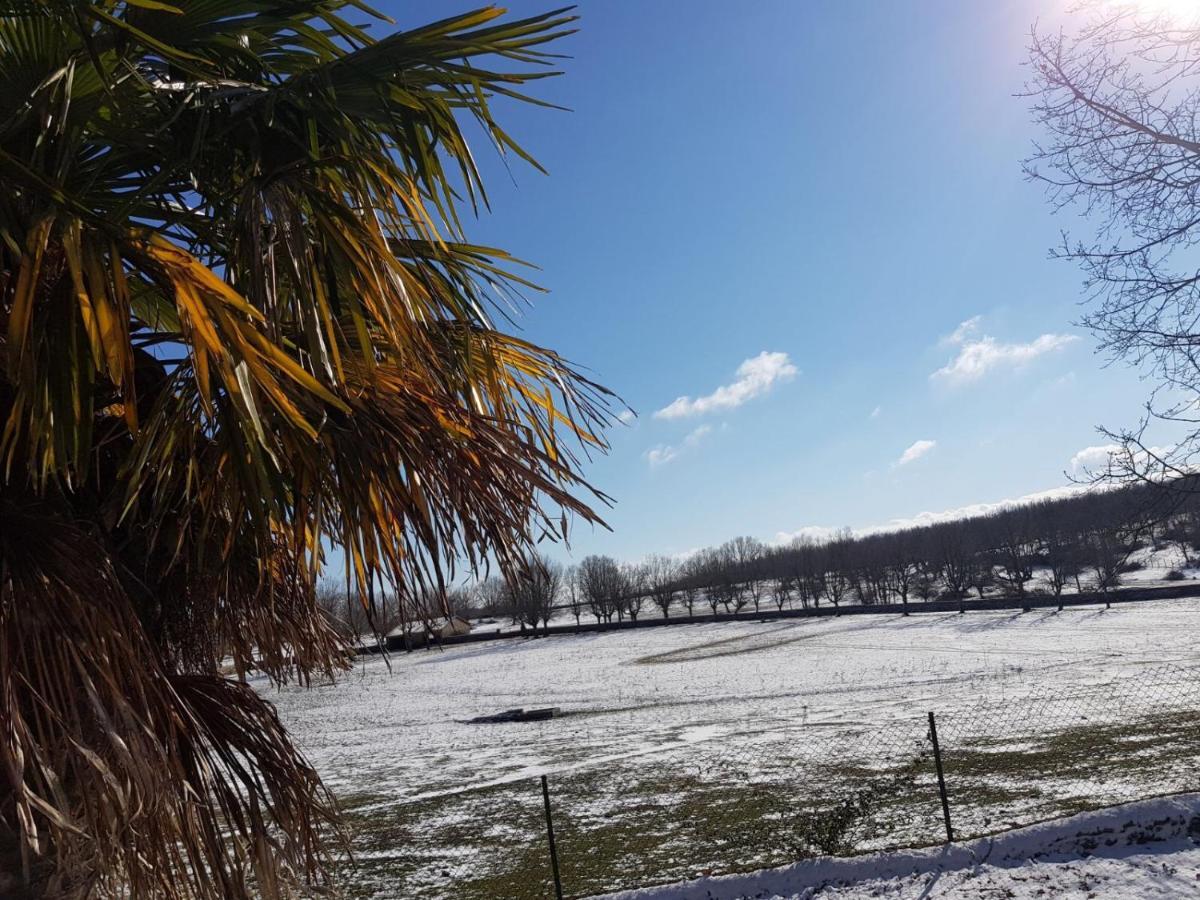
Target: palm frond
(123, 776)
(241, 327)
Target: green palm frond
(241, 323)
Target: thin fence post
(558, 894)
(937, 759)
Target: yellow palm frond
(241, 327)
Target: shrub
(1174, 575)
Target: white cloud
(965, 330)
(660, 455)
(626, 416)
(1094, 458)
(915, 452)
(665, 453)
(1097, 459)
(755, 376)
(876, 412)
(818, 533)
(979, 354)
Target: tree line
(1081, 542)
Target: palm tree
(240, 326)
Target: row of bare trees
(1082, 542)
(527, 599)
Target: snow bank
(1112, 833)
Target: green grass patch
(711, 809)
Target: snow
(752, 706)
(402, 728)
(1146, 849)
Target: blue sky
(836, 185)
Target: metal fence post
(558, 894)
(937, 759)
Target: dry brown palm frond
(242, 330)
(124, 777)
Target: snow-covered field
(1149, 849)
(722, 747)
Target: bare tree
(493, 596)
(509, 602)
(733, 556)
(352, 618)
(662, 580)
(747, 556)
(903, 564)
(707, 567)
(633, 589)
(1013, 537)
(534, 591)
(1181, 532)
(926, 586)
(835, 567)
(462, 601)
(691, 577)
(345, 615)
(1107, 550)
(602, 586)
(1058, 532)
(805, 559)
(574, 593)
(1065, 564)
(869, 571)
(720, 578)
(781, 592)
(952, 555)
(981, 574)
(1119, 103)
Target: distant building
(450, 627)
(420, 634)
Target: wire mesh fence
(1055, 753)
(764, 798)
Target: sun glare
(1177, 10)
